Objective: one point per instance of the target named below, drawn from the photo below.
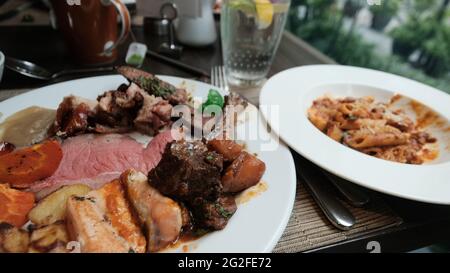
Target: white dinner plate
(257, 225)
(294, 90)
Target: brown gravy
(251, 193)
(28, 126)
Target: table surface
(424, 224)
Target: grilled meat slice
(102, 221)
(154, 115)
(161, 217)
(180, 96)
(234, 105)
(187, 171)
(116, 109)
(213, 214)
(153, 85)
(134, 107)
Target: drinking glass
(251, 31)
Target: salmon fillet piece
(161, 217)
(102, 222)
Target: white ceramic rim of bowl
(425, 183)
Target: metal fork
(219, 78)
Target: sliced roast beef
(97, 159)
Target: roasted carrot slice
(21, 168)
(14, 205)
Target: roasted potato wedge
(229, 149)
(245, 172)
(49, 238)
(12, 239)
(53, 208)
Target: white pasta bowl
(293, 92)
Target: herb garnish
(214, 98)
(222, 211)
(155, 86)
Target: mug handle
(125, 17)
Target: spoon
(35, 71)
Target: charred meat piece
(233, 106)
(72, 116)
(111, 114)
(245, 172)
(236, 100)
(187, 171)
(154, 115)
(118, 108)
(133, 107)
(180, 96)
(6, 148)
(153, 85)
(161, 217)
(213, 215)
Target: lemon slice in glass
(265, 11)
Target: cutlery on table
(354, 195)
(179, 64)
(35, 71)
(219, 77)
(318, 186)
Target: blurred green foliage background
(419, 31)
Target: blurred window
(406, 37)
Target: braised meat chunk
(188, 171)
(214, 214)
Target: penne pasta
(370, 127)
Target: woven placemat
(309, 229)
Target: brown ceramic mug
(90, 28)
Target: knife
(354, 194)
(178, 64)
(318, 186)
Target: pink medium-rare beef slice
(97, 159)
